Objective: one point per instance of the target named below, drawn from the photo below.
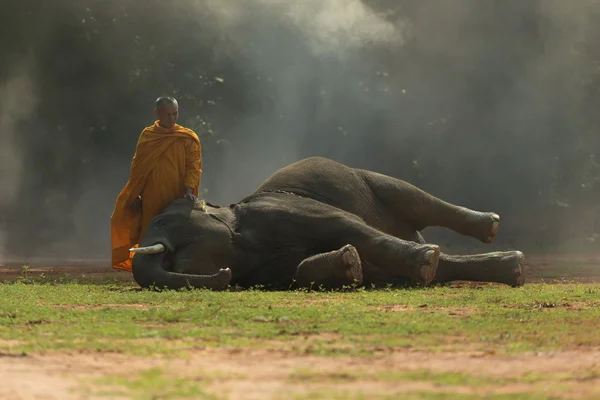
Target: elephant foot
(495, 218)
(351, 265)
(223, 279)
(483, 225)
(428, 257)
(506, 267)
(331, 270)
(515, 274)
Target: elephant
(318, 223)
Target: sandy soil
(100, 269)
(254, 374)
(84, 269)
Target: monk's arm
(193, 166)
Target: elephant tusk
(157, 248)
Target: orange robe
(165, 162)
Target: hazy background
(491, 104)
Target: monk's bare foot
(351, 264)
(428, 258)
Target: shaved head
(161, 101)
(167, 111)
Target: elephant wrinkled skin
(318, 223)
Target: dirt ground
(100, 269)
(53, 268)
(263, 374)
(259, 374)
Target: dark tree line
(493, 105)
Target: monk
(167, 165)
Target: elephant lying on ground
(318, 222)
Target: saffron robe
(165, 162)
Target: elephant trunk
(148, 272)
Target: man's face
(167, 115)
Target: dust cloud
(18, 101)
(488, 104)
(305, 62)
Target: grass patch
(151, 384)
(156, 383)
(67, 314)
(72, 315)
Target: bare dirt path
(548, 268)
(92, 270)
(254, 374)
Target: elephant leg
(331, 270)
(499, 267)
(327, 228)
(398, 257)
(409, 204)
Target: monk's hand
(189, 195)
(136, 205)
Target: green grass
(70, 316)
(48, 315)
(156, 383)
(153, 383)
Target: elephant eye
(160, 222)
